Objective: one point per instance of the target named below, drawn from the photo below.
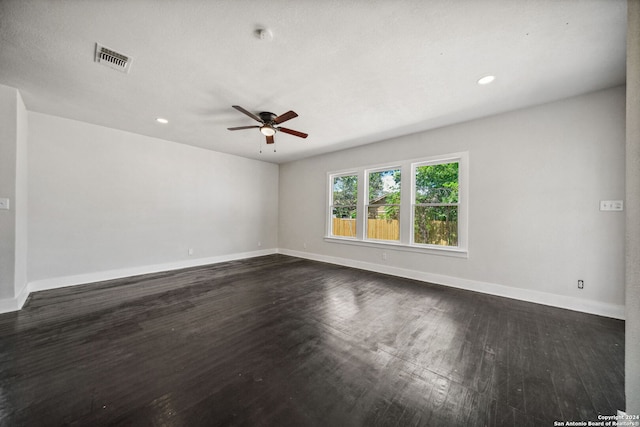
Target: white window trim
(392, 245)
(407, 168)
(462, 160)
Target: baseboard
(14, 304)
(9, 304)
(22, 296)
(553, 300)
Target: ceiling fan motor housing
(267, 117)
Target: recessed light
(486, 80)
(161, 120)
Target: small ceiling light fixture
(161, 120)
(267, 130)
(486, 80)
(263, 34)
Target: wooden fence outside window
(441, 232)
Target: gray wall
(21, 201)
(536, 178)
(13, 185)
(102, 199)
(632, 341)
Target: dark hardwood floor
(281, 341)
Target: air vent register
(112, 59)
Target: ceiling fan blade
(243, 127)
(294, 132)
(284, 117)
(270, 139)
(248, 113)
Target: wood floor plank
(278, 340)
(516, 364)
(539, 390)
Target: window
(383, 207)
(435, 204)
(344, 201)
(372, 206)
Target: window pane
(383, 222)
(437, 183)
(384, 187)
(345, 190)
(436, 225)
(343, 221)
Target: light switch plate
(611, 205)
(4, 203)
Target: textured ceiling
(355, 71)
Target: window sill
(432, 250)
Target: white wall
(7, 189)
(13, 170)
(536, 178)
(104, 202)
(21, 201)
(632, 337)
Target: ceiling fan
(269, 122)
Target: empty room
(292, 213)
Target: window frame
(332, 205)
(414, 169)
(407, 202)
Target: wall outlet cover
(611, 205)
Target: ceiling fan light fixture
(267, 130)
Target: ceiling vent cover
(112, 59)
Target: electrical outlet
(4, 203)
(304, 245)
(384, 256)
(611, 205)
(190, 252)
(259, 243)
(580, 284)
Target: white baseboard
(14, 304)
(554, 300)
(561, 301)
(22, 296)
(9, 304)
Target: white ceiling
(355, 71)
